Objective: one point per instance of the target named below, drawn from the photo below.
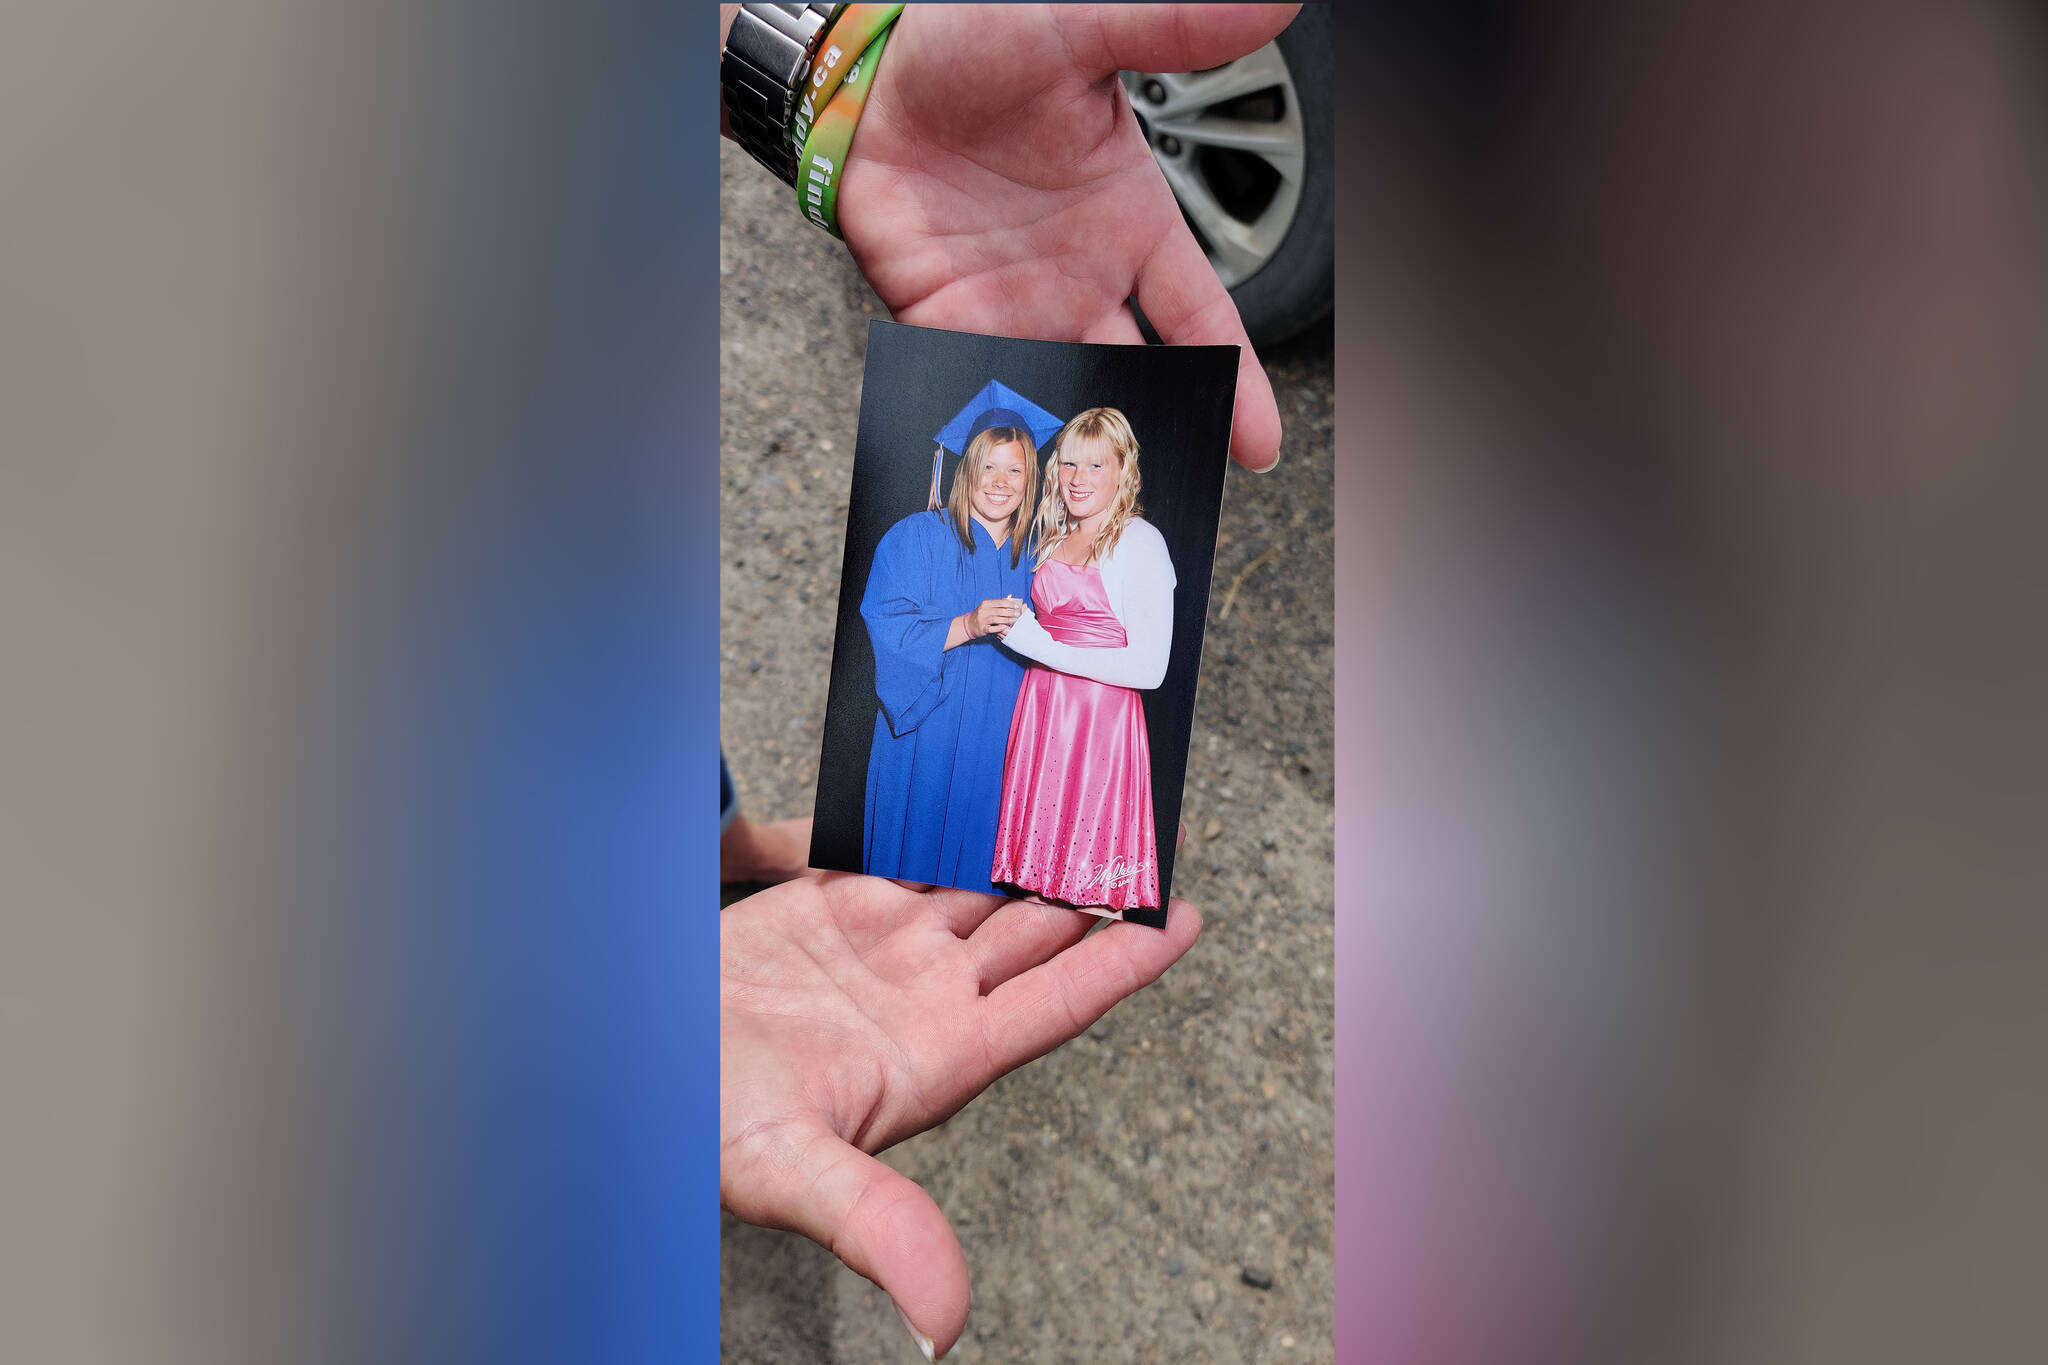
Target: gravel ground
(1112, 1196)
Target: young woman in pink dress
(1076, 822)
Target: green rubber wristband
(824, 154)
(853, 28)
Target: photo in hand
(1029, 539)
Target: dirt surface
(1110, 1197)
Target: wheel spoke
(1190, 93)
(1231, 247)
(1188, 117)
(1277, 143)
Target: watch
(768, 54)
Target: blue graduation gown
(935, 771)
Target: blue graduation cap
(997, 405)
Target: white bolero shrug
(1138, 577)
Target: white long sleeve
(1138, 578)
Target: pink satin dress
(1076, 821)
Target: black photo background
(1179, 402)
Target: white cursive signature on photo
(1115, 872)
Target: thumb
(882, 1224)
(1106, 38)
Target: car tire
(1298, 286)
(1295, 287)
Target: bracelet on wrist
(857, 37)
(823, 161)
(766, 62)
(852, 30)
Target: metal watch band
(768, 54)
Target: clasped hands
(994, 617)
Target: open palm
(999, 182)
(855, 1012)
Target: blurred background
(356, 617)
(1691, 778)
(356, 421)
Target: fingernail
(924, 1343)
(1267, 469)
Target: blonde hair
(1054, 526)
(967, 475)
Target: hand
(768, 852)
(1024, 613)
(993, 617)
(855, 1012)
(998, 181)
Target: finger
(1107, 38)
(1180, 836)
(964, 911)
(1116, 328)
(1034, 1012)
(875, 1219)
(871, 909)
(1021, 935)
(1188, 306)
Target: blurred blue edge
(523, 987)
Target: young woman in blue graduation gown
(945, 584)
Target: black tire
(1297, 287)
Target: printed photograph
(1030, 534)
